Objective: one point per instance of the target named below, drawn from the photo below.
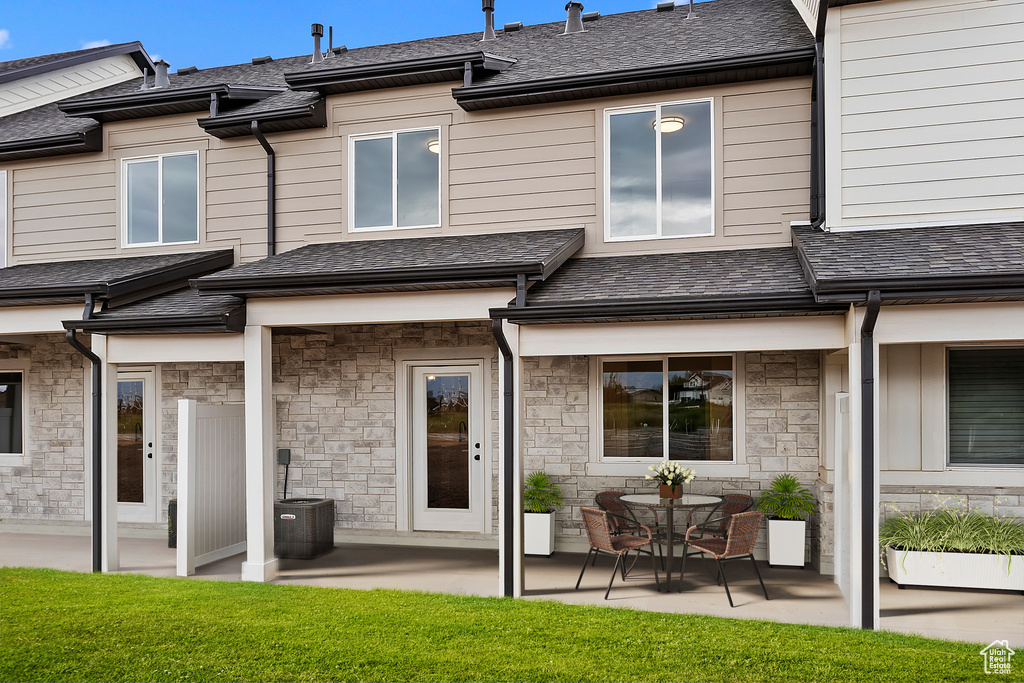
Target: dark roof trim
(752, 67)
(613, 311)
(299, 117)
(119, 291)
(160, 101)
(71, 143)
(231, 321)
(133, 50)
(391, 74)
(419, 277)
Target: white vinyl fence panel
(211, 483)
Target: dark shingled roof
(182, 310)
(650, 286)
(845, 265)
(69, 281)
(416, 263)
(615, 42)
(42, 122)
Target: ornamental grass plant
(963, 530)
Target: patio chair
(598, 525)
(624, 521)
(732, 504)
(738, 544)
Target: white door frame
(405, 362)
(146, 511)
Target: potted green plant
(541, 498)
(957, 548)
(787, 503)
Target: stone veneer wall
(781, 411)
(51, 485)
(1005, 501)
(207, 383)
(335, 398)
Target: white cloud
(95, 43)
(5, 38)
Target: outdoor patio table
(670, 505)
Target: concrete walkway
(798, 596)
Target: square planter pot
(786, 542)
(539, 533)
(955, 570)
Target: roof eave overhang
(393, 74)
(301, 117)
(732, 69)
(440, 277)
(229, 322)
(162, 101)
(71, 143)
(426, 278)
(120, 291)
(614, 311)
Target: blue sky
(205, 34)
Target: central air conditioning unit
(303, 527)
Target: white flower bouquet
(673, 473)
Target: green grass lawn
(61, 626)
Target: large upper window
(986, 407)
(10, 413)
(395, 180)
(659, 171)
(676, 408)
(162, 199)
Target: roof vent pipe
(145, 80)
(161, 80)
(317, 31)
(574, 22)
(488, 20)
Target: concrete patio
(798, 596)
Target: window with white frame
(986, 407)
(11, 413)
(668, 408)
(395, 180)
(659, 171)
(3, 219)
(161, 199)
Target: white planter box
(955, 570)
(539, 533)
(786, 542)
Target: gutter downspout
(508, 440)
(868, 511)
(97, 436)
(271, 196)
(817, 207)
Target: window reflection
(660, 179)
(373, 182)
(162, 199)
(633, 409)
(143, 202)
(10, 412)
(396, 180)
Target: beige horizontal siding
(932, 127)
(510, 169)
